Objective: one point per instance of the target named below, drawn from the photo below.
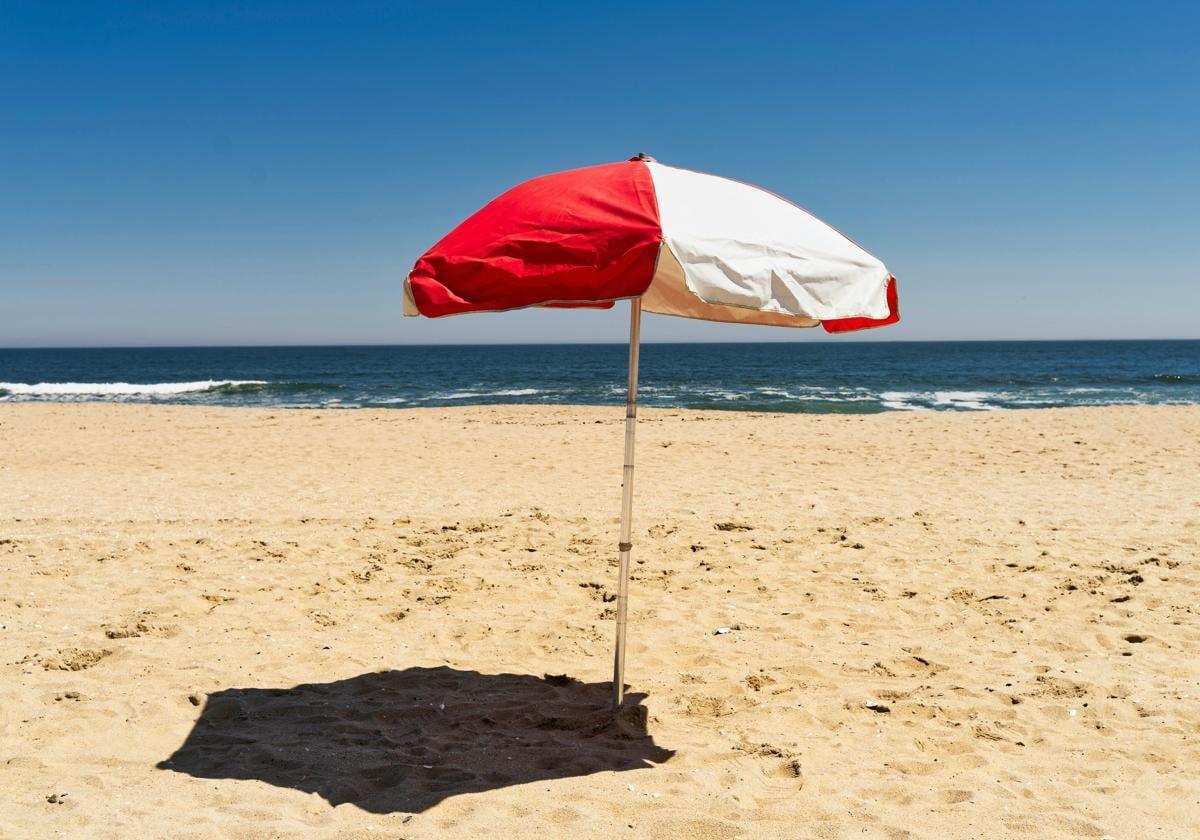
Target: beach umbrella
(670, 241)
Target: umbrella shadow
(405, 740)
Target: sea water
(823, 377)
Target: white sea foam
(926, 401)
(717, 393)
(816, 394)
(471, 395)
(964, 399)
(901, 401)
(121, 389)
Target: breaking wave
(129, 389)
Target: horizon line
(332, 345)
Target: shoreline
(616, 404)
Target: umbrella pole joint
(626, 543)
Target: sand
(255, 623)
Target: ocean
(822, 377)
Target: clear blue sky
(215, 173)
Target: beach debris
(721, 631)
(877, 707)
(56, 798)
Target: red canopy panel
(837, 325)
(583, 237)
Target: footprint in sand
(321, 619)
(142, 625)
(75, 659)
(756, 682)
(789, 768)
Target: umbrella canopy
(669, 240)
(686, 243)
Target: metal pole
(626, 544)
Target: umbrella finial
(642, 156)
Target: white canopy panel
(748, 256)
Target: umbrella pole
(626, 544)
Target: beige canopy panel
(669, 294)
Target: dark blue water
(816, 377)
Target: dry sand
(249, 623)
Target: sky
(266, 173)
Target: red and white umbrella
(671, 241)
